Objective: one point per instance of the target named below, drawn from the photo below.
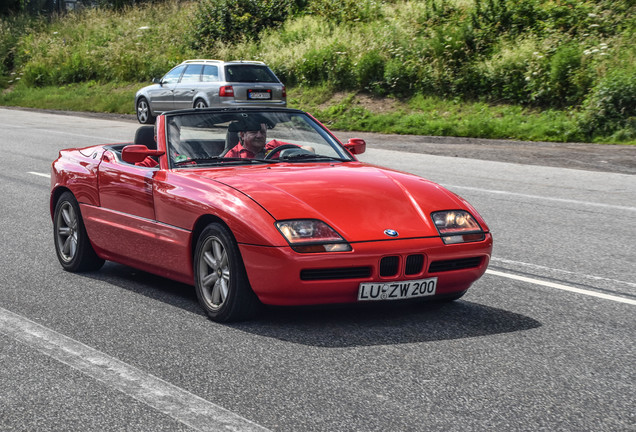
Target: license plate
(259, 94)
(370, 291)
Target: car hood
(359, 201)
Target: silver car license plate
(259, 94)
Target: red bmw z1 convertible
(263, 206)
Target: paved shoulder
(592, 157)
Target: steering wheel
(278, 149)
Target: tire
(144, 114)
(220, 279)
(200, 103)
(72, 245)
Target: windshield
(248, 137)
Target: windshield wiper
(221, 159)
(311, 156)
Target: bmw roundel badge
(391, 233)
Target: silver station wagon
(210, 83)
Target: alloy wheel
(142, 111)
(214, 272)
(67, 231)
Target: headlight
(311, 235)
(457, 226)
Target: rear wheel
(220, 280)
(200, 103)
(73, 248)
(144, 115)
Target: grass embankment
(529, 70)
(343, 111)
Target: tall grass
(133, 44)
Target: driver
(252, 143)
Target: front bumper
(280, 276)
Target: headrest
(251, 123)
(145, 135)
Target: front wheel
(220, 279)
(144, 114)
(73, 248)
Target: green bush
(568, 77)
(12, 29)
(401, 78)
(611, 106)
(330, 64)
(345, 10)
(234, 20)
(370, 71)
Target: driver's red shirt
(238, 151)
(148, 162)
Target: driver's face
(254, 141)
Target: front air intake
(458, 264)
(335, 273)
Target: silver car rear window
(249, 73)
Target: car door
(162, 95)
(187, 87)
(127, 208)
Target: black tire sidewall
(240, 301)
(85, 257)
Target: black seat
(145, 135)
(231, 140)
(232, 136)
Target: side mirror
(356, 146)
(137, 153)
(157, 81)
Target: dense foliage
(575, 55)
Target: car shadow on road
(343, 325)
(385, 324)
(149, 285)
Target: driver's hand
(308, 148)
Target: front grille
(414, 264)
(335, 273)
(458, 264)
(389, 266)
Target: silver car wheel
(66, 227)
(143, 111)
(214, 272)
(200, 103)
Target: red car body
(151, 218)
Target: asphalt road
(544, 341)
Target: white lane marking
(39, 174)
(540, 267)
(179, 404)
(562, 287)
(542, 198)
